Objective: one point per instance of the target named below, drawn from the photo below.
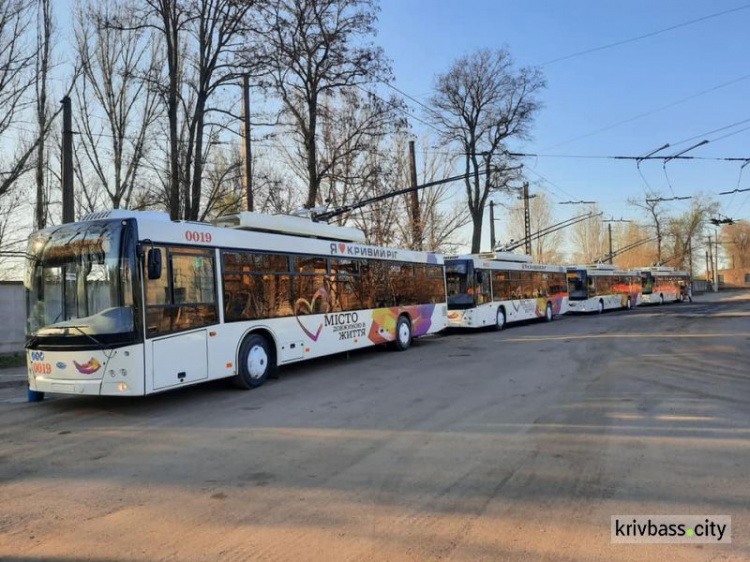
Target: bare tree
(116, 107)
(641, 255)
(652, 205)
(589, 238)
(313, 49)
(17, 58)
(684, 231)
(736, 241)
(43, 117)
(545, 249)
(481, 102)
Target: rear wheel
(601, 307)
(548, 315)
(661, 299)
(256, 362)
(628, 304)
(403, 334)
(500, 319)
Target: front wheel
(601, 307)
(256, 362)
(628, 304)
(500, 319)
(403, 334)
(548, 315)
(661, 299)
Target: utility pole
(609, 228)
(710, 268)
(707, 270)
(527, 217)
(716, 267)
(492, 226)
(68, 199)
(248, 152)
(690, 258)
(416, 218)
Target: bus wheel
(403, 334)
(661, 299)
(601, 307)
(628, 304)
(500, 319)
(255, 362)
(548, 316)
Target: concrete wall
(12, 317)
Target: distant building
(738, 278)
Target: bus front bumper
(66, 386)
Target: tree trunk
(312, 155)
(476, 235)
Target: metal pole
(527, 217)
(716, 268)
(492, 226)
(68, 199)
(609, 227)
(248, 168)
(416, 218)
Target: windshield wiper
(80, 329)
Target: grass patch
(15, 360)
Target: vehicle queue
(132, 303)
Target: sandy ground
(516, 445)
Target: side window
(257, 285)
(184, 297)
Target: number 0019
(195, 236)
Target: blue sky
(592, 91)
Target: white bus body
(494, 289)
(664, 284)
(98, 324)
(596, 288)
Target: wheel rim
(549, 312)
(403, 333)
(628, 305)
(500, 319)
(601, 307)
(257, 362)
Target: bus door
(180, 310)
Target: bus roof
(602, 270)
(505, 261)
(253, 231)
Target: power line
(646, 35)
(647, 113)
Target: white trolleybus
(128, 303)
(596, 288)
(664, 284)
(493, 289)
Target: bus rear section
(664, 284)
(602, 287)
(492, 290)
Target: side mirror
(153, 263)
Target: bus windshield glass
(460, 287)
(79, 282)
(577, 288)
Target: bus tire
(548, 314)
(601, 306)
(628, 304)
(403, 334)
(256, 362)
(500, 323)
(661, 299)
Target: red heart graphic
(342, 248)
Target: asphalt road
(516, 445)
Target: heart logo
(308, 307)
(342, 248)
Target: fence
(12, 317)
